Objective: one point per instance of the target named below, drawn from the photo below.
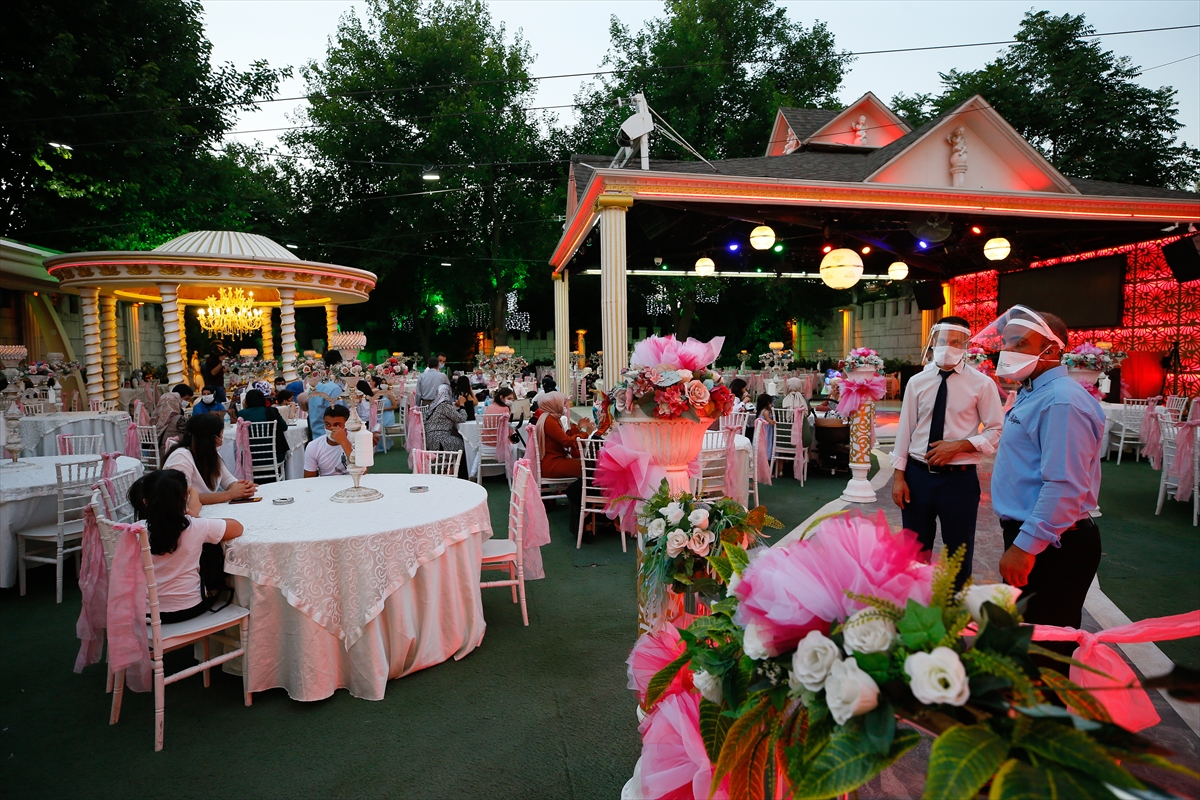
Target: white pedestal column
(614, 298)
(92, 359)
(331, 323)
(172, 335)
(562, 330)
(108, 346)
(862, 423)
(287, 331)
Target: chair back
(1132, 410)
(287, 411)
(263, 458)
(437, 462)
(33, 407)
(738, 420)
(516, 508)
(710, 482)
(73, 444)
(115, 494)
(589, 454)
(108, 537)
(784, 417)
(489, 432)
(150, 455)
(1176, 403)
(1194, 413)
(534, 457)
(103, 405)
(74, 491)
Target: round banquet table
(349, 596)
(293, 463)
(28, 497)
(39, 432)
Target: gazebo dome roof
(227, 243)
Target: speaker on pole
(1183, 257)
(929, 295)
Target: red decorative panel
(975, 297)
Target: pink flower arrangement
(669, 352)
(1088, 349)
(789, 591)
(669, 379)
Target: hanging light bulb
(996, 249)
(841, 268)
(898, 271)
(762, 237)
(705, 266)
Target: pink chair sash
(1152, 434)
(735, 473)
(93, 584)
(63, 442)
(414, 432)
(854, 393)
(1184, 463)
(537, 527)
(798, 443)
(1125, 700)
(108, 470)
(133, 447)
(152, 392)
(623, 475)
(506, 451)
(762, 454)
(243, 466)
(138, 412)
(128, 643)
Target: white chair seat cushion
(73, 530)
(208, 622)
(499, 550)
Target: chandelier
(232, 313)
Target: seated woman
(198, 457)
(257, 410)
(178, 535)
(558, 449)
(462, 388)
(795, 395)
(441, 425)
(168, 416)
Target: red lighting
(827, 248)
(975, 229)
(866, 249)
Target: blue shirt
(317, 406)
(295, 387)
(1047, 471)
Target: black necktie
(937, 424)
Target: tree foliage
(1078, 103)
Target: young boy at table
(330, 454)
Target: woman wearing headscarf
(442, 417)
(168, 416)
(257, 410)
(558, 448)
(795, 394)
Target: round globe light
(841, 268)
(705, 266)
(996, 249)
(898, 271)
(762, 237)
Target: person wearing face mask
(1047, 474)
(939, 443)
(207, 403)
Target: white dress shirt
(971, 401)
(428, 383)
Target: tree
(129, 88)
(717, 71)
(1078, 103)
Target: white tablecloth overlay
(293, 465)
(39, 431)
(28, 498)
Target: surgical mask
(206, 398)
(1016, 366)
(947, 356)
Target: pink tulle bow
(63, 442)
(506, 451)
(125, 618)
(133, 447)
(414, 431)
(137, 411)
(788, 591)
(1125, 700)
(762, 451)
(649, 655)
(623, 472)
(93, 584)
(243, 466)
(798, 442)
(537, 526)
(855, 392)
(736, 479)
(1152, 433)
(691, 355)
(1183, 465)
(109, 468)
(674, 764)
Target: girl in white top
(177, 538)
(197, 456)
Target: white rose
(1001, 594)
(655, 529)
(868, 631)
(814, 657)
(673, 512)
(753, 645)
(709, 686)
(685, 375)
(698, 519)
(937, 677)
(849, 692)
(677, 542)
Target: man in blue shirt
(1046, 479)
(322, 396)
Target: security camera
(658, 262)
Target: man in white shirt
(330, 454)
(939, 443)
(430, 380)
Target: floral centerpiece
(38, 369)
(244, 368)
(307, 366)
(1088, 356)
(669, 379)
(793, 686)
(860, 358)
(349, 369)
(392, 369)
(975, 356)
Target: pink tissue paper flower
(651, 653)
(1087, 349)
(674, 763)
(691, 355)
(792, 590)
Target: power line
(596, 73)
(1176, 61)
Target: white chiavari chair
(106, 406)
(1165, 482)
(548, 488)
(592, 500)
(493, 433)
(150, 455)
(508, 554)
(710, 482)
(1175, 404)
(51, 543)
(437, 462)
(1130, 435)
(77, 444)
(266, 464)
(115, 495)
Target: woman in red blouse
(559, 449)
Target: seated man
(208, 403)
(330, 454)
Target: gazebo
(191, 269)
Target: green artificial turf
(1151, 564)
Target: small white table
(353, 595)
(39, 432)
(293, 464)
(28, 498)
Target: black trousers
(1059, 581)
(951, 498)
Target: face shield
(946, 345)
(1021, 337)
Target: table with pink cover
(349, 596)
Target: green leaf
(847, 762)
(1019, 781)
(962, 761)
(921, 626)
(737, 558)
(1073, 749)
(722, 566)
(880, 726)
(725, 607)
(740, 741)
(1006, 640)
(662, 679)
(1162, 762)
(713, 727)
(1038, 650)
(1075, 697)
(877, 665)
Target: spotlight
(975, 229)
(827, 248)
(778, 248)
(293, 247)
(733, 247)
(923, 245)
(446, 264)
(431, 174)
(866, 249)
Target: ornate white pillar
(108, 345)
(183, 353)
(93, 359)
(172, 335)
(135, 336)
(268, 335)
(331, 323)
(613, 296)
(562, 329)
(287, 331)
